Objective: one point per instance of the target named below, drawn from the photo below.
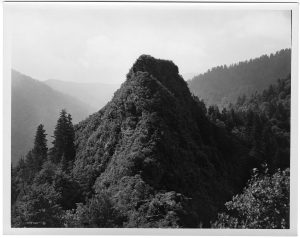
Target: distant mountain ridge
(222, 85)
(32, 103)
(96, 95)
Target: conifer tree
(63, 150)
(70, 148)
(40, 148)
(38, 155)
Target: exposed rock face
(153, 150)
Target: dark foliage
(42, 187)
(264, 203)
(63, 150)
(38, 155)
(262, 123)
(97, 212)
(38, 207)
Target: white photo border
(266, 5)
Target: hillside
(96, 95)
(222, 85)
(33, 103)
(262, 122)
(156, 155)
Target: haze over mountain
(33, 102)
(223, 84)
(96, 95)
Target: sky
(100, 42)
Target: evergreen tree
(63, 150)
(40, 142)
(40, 148)
(70, 147)
(38, 155)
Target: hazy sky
(100, 42)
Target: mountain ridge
(33, 102)
(222, 85)
(95, 94)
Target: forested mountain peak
(155, 152)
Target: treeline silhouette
(222, 85)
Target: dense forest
(262, 122)
(222, 85)
(157, 156)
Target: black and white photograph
(150, 115)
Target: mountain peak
(150, 141)
(156, 67)
(164, 71)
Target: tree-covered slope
(33, 103)
(261, 122)
(222, 85)
(154, 153)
